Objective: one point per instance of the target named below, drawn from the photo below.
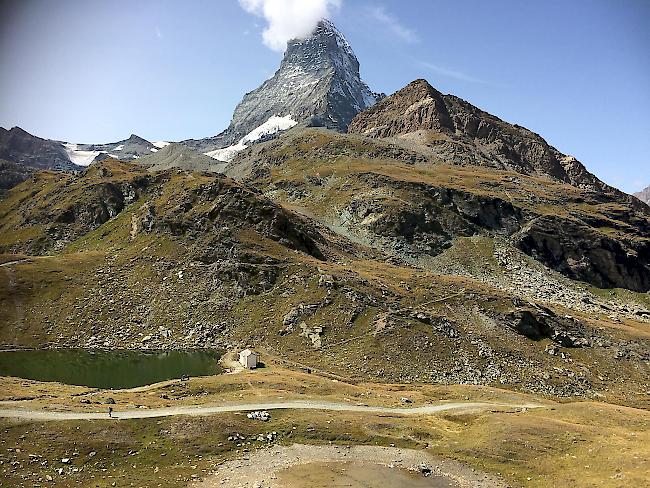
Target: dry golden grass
(580, 444)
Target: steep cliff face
(580, 252)
(318, 83)
(129, 149)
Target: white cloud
(392, 23)
(289, 19)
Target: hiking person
(110, 412)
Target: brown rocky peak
(418, 106)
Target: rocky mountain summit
(129, 149)
(644, 195)
(459, 133)
(318, 83)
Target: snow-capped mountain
(127, 150)
(22, 153)
(272, 126)
(318, 83)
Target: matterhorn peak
(317, 84)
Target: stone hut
(249, 359)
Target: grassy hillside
(197, 260)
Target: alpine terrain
(435, 293)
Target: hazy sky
(577, 72)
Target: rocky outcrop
(206, 215)
(436, 216)
(581, 253)
(542, 323)
(22, 153)
(318, 83)
(429, 223)
(130, 149)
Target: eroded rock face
(109, 200)
(428, 224)
(418, 106)
(577, 251)
(207, 213)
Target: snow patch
(153, 149)
(161, 144)
(82, 158)
(118, 148)
(274, 125)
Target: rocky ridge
(459, 133)
(129, 149)
(22, 153)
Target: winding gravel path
(247, 407)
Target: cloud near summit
(289, 19)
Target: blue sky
(577, 72)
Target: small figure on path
(110, 412)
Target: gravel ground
(261, 469)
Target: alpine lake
(116, 369)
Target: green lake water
(108, 369)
